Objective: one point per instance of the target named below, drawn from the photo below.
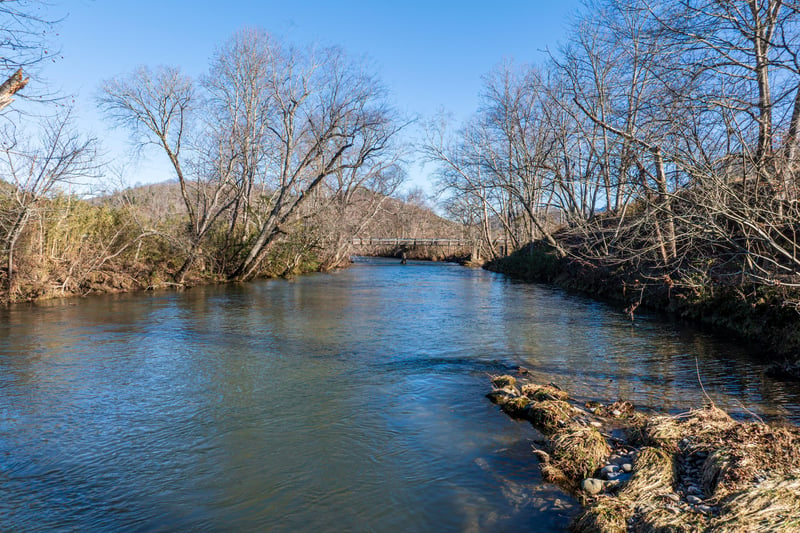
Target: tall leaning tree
(325, 114)
(156, 105)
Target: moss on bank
(763, 314)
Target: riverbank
(141, 277)
(696, 471)
(160, 277)
(765, 315)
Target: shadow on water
(348, 401)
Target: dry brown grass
(504, 381)
(750, 473)
(746, 452)
(550, 415)
(773, 505)
(578, 451)
(606, 515)
(739, 455)
(667, 431)
(540, 393)
(662, 520)
(654, 475)
(641, 499)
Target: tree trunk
(11, 242)
(10, 87)
(663, 203)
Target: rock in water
(609, 470)
(592, 486)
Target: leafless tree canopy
(35, 169)
(272, 135)
(661, 134)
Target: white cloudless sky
(431, 55)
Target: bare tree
(621, 79)
(502, 156)
(156, 106)
(238, 110)
(460, 179)
(326, 116)
(350, 201)
(35, 170)
(273, 125)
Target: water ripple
(351, 401)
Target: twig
(751, 413)
(700, 381)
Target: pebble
(607, 471)
(694, 500)
(616, 413)
(592, 485)
(627, 467)
(694, 489)
(596, 424)
(705, 509)
(672, 497)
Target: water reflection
(351, 401)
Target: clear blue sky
(430, 54)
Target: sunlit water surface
(351, 401)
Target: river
(349, 401)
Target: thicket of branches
(661, 136)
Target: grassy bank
(759, 313)
(142, 238)
(695, 472)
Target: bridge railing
(369, 241)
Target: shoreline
(696, 471)
(760, 316)
(108, 288)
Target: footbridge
(411, 241)
(402, 244)
(418, 247)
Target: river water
(351, 401)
